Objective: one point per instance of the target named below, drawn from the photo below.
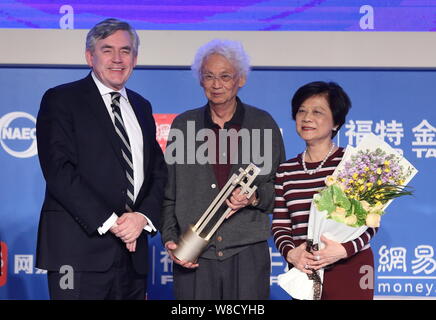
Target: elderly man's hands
(238, 201)
(170, 246)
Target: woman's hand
(332, 252)
(301, 259)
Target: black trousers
(244, 276)
(120, 282)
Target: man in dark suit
(105, 175)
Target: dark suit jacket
(80, 157)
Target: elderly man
(236, 263)
(105, 175)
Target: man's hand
(238, 201)
(170, 246)
(131, 246)
(129, 226)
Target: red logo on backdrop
(3, 263)
(163, 125)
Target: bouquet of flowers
(356, 195)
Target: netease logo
(17, 129)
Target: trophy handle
(215, 205)
(223, 217)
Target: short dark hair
(338, 100)
(107, 27)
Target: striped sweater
(294, 190)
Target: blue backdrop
(397, 105)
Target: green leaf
(324, 201)
(357, 209)
(339, 198)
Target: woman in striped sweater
(319, 109)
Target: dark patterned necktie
(125, 148)
(310, 247)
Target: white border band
(266, 48)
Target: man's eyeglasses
(209, 78)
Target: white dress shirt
(136, 144)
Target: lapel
(97, 107)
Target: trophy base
(190, 246)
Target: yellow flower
(387, 162)
(339, 214)
(387, 170)
(366, 169)
(377, 208)
(330, 180)
(342, 186)
(379, 171)
(373, 220)
(365, 205)
(361, 188)
(379, 182)
(351, 220)
(341, 210)
(355, 175)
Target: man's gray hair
(233, 51)
(107, 27)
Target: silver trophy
(192, 243)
